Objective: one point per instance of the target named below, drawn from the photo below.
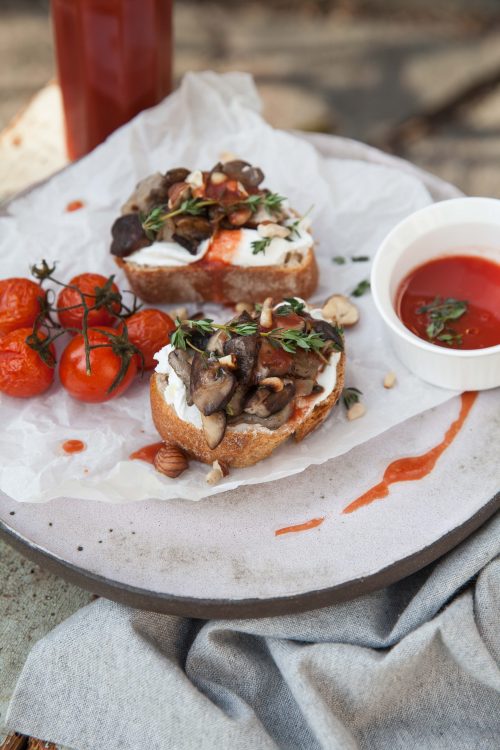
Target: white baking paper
(354, 203)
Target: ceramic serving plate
(287, 545)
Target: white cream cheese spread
(171, 254)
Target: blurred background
(419, 78)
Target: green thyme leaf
(350, 396)
(339, 260)
(273, 203)
(260, 246)
(360, 258)
(362, 287)
(439, 312)
(291, 305)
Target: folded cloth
(415, 665)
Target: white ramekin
(461, 226)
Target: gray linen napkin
(415, 665)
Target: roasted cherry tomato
(19, 303)
(106, 362)
(23, 373)
(90, 285)
(149, 331)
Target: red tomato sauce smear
(461, 277)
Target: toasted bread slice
(240, 448)
(198, 282)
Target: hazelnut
(178, 193)
(356, 411)
(340, 309)
(266, 314)
(390, 380)
(240, 217)
(227, 156)
(269, 230)
(217, 472)
(170, 460)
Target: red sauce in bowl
(464, 278)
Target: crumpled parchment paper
(354, 205)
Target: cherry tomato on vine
(20, 301)
(97, 290)
(113, 362)
(149, 331)
(23, 373)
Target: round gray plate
(221, 557)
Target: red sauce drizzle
(414, 467)
(463, 277)
(147, 453)
(74, 205)
(300, 526)
(73, 446)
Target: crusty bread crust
(198, 282)
(237, 448)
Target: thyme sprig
(260, 246)
(289, 339)
(439, 312)
(350, 396)
(362, 288)
(46, 330)
(154, 221)
(291, 304)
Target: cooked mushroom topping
(244, 372)
(216, 343)
(235, 406)
(214, 428)
(274, 422)
(180, 362)
(128, 236)
(305, 364)
(176, 175)
(243, 172)
(245, 348)
(190, 231)
(328, 332)
(340, 309)
(177, 193)
(265, 402)
(148, 193)
(211, 385)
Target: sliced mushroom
(329, 333)
(148, 193)
(243, 172)
(214, 428)
(216, 343)
(274, 422)
(246, 350)
(211, 386)
(180, 363)
(128, 236)
(190, 231)
(304, 386)
(305, 365)
(177, 193)
(237, 402)
(340, 309)
(265, 402)
(178, 174)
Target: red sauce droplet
(74, 205)
(414, 467)
(73, 446)
(462, 277)
(300, 526)
(147, 452)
